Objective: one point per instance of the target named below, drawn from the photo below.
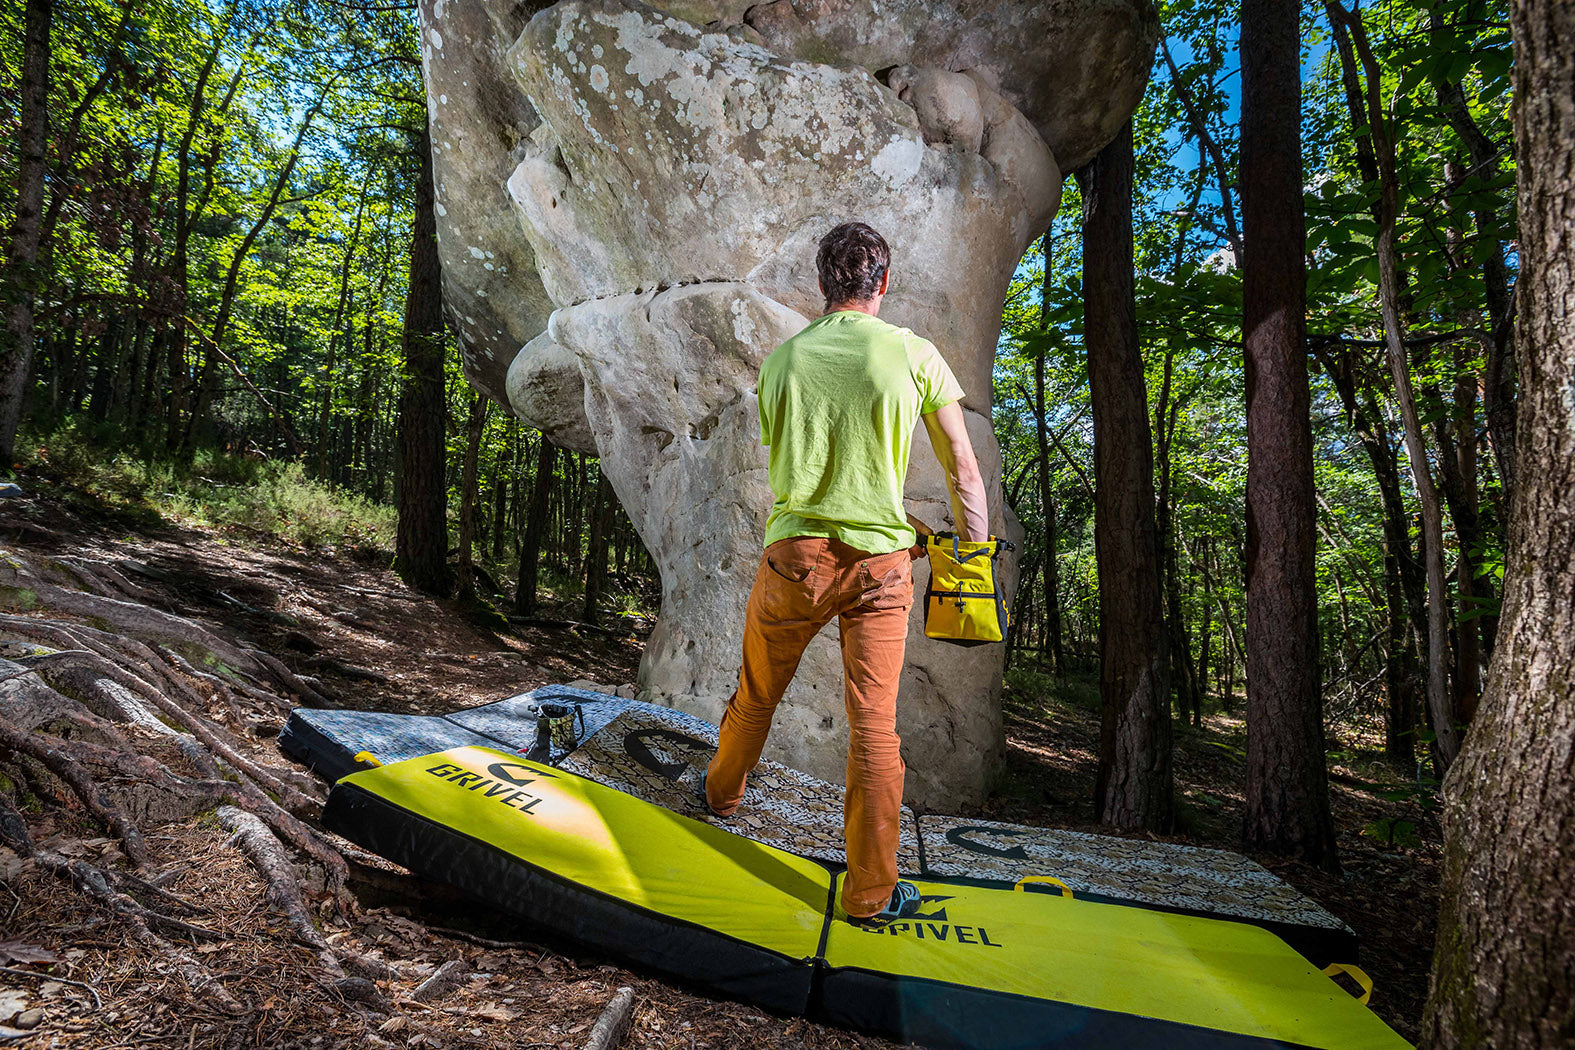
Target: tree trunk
(1180, 646)
(596, 555)
(340, 328)
(1287, 778)
(1403, 579)
(535, 526)
(1504, 966)
(422, 547)
(1498, 386)
(1046, 501)
(207, 380)
(468, 484)
(1439, 701)
(16, 344)
(1134, 784)
(185, 222)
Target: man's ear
(885, 282)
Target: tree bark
(1165, 413)
(1287, 778)
(16, 344)
(596, 553)
(468, 484)
(1403, 579)
(421, 552)
(1046, 499)
(1504, 965)
(340, 328)
(1134, 785)
(535, 526)
(1498, 386)
(1439, 700)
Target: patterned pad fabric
(1162, 874)
(511, 723)
(328, 740)
(657, 754)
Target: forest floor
(340, 616)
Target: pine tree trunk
(1134, 783)
(1504, 966)
(1046, 500)
(1180, 646)
(602, 503)
(535, 526)
(422, 548)
(1439, 699)
(1287, 779)
(468, 484)
(339, 329)
(16, 342)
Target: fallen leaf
(11, 1003)
(25, 954)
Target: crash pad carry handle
(366, 758)
(1043, 880)
(1355, 973)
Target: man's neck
(867, 306)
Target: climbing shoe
(705, 802)
(905, 902)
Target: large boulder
(676, 169)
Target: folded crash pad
(980, 967)
(328, 741)
(657, 754)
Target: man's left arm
(948, 432)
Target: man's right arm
(949, 437)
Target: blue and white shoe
(705, 802)
(905, 902)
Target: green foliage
(233, 494)
(1188, 289)
(1393, 832)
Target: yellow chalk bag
(963, 604)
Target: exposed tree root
(268, 856)
(137, 710)
(86, 788)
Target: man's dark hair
(852, 259)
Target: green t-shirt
(838, 404)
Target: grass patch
(218, 491)
(1032, 689)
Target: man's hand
(949, 437)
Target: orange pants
(801, 584)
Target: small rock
(30, 1019)
(626, 691)
(361, 990)
(586, 684)
(449, 976)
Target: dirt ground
(367, 641)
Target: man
(838, 404)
